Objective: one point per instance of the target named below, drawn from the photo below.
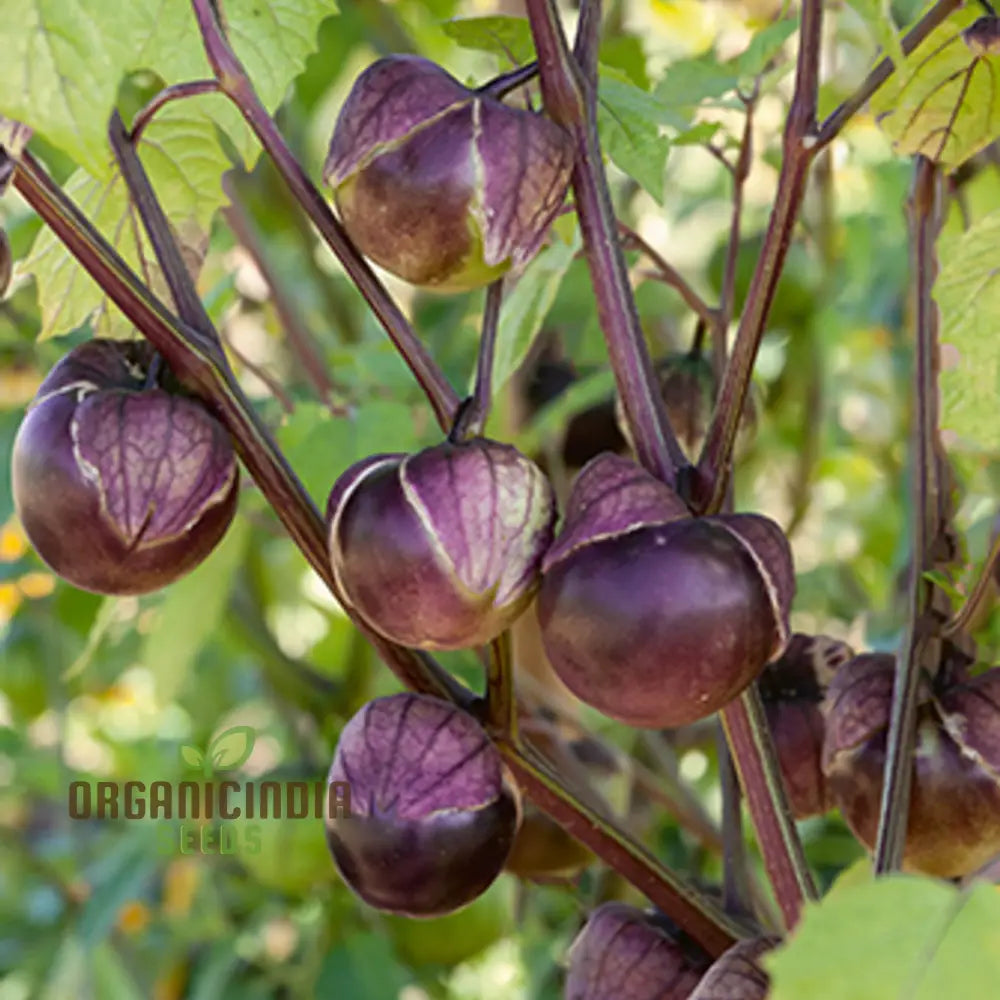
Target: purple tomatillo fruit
(121, 488)
(953, 825)
(441, 185)
(433, 810)
(625, 954)
(441, 549)
(652, 616)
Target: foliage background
(95, 688)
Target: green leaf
(191, 611)
(506, 37)
(525, 308)
(192, 756)
(943, 101)
(687, 83)
(320, 446)
(967, 291)
(629, 120)
(898, 936)
(182, 154)
(361, 965)
(64, 59)
(232, 748)
(64, 85)
(877, 15)
(764, 46)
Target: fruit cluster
(651, 615)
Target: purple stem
(925, 221)
(570, 99)
(236, 85)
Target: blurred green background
(96, 688)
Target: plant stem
(798, 151)
(236, 85)
(980, 592)
(713, 929)
(739, 173)
(667, 273)
(744, 720)
(501, 702)
(570, 97)
(925, 221)
(736, 896)
(833, 124)
(474, 412)
(756, 761)
(177, 92)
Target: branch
(981, 592)
(799, 150)
(235, 84)
(925, 221)
(753, 752)
(668, 274)
(832, 126)
(570, 97)
(713, 929)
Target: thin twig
(474, 412)
(177, 92)
(798, 152)
(981, 592)
(297, 333)
(668, 274)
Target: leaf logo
(228, 751)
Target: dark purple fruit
(433, 812)
(625, 954)
(793, 688)
(442, 549)
(120, 488)
(737, 974)
(652, 616)
(954, 819)
(442, 185)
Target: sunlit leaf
(764, 46)
(899, 936)
(967, 291)
(63, 61)
(945, 101)
(62, 67)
